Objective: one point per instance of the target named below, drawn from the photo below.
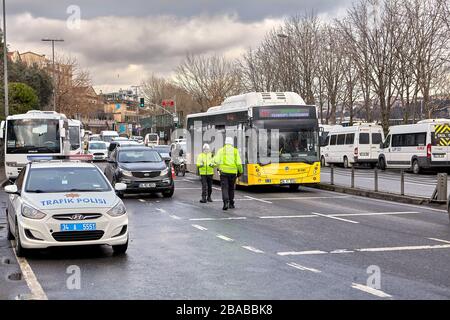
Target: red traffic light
(163, 103)
(172, 103)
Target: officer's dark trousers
(228, 182)
(206, 186)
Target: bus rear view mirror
(2, 129)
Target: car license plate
(287, 181)
(439, 155)
(364, 154)
(78, 226)
(147, 185)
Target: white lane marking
(175, 217)
(256, 199)
(288, 217)
(371, 214)
(142, 200)
(303, 268)
(439, 240)
(370, 290)
(220, 236)
(216, 188)
(187, 180)
(331, 217)
(405, 248)
(299, 253)
(402, 204)
(161, 210)
(252, 249)
(341, 251)
(199, 227)
(305, 198)
(217, 219)
(35, 287)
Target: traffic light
(141, 102)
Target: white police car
(65, 203)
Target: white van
(108, 136)
(423, 145)
(151, 139)
(359, 144)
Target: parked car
(419, 146)
(97, 149)
(359, 144)
(141, 169)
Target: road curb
(378, 195)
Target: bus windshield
(33, 136)
(298, 146)
(74, 136)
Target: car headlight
(118, 210)
(164, 172)
(32, 213)
(126, 173)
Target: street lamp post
(54, 73)
(5, 62)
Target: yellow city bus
(276, 133)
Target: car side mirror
(110, 160)
(120, 186)
(12, 189)
(382, 145)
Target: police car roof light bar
(74, 157)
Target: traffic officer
(230, 167)
(205, 165)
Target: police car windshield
(128, 156)
(52, 180)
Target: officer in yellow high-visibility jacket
(205, 165)
(230, 166)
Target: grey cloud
(248, 10)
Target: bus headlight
(32, 213)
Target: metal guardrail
(440, 193)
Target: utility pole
(5, 62)
(136, 88)
(54, 72)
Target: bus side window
(333, 140)
(350, 138)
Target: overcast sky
(121, 42)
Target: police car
(65, 203)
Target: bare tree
(209, 79)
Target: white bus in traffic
(76, 134)
(33, 133)
(358, 144)
(419, 146)
(108, 136)
(151, 139)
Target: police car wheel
(121, 248)
(9, 234)
(20, 251)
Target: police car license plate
(78, 226)
(147, 185)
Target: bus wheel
(293, 187)
(382, 164)
(415, 167)
(346, 163)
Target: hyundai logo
(77, 217)
(146, 174)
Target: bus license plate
(288, 181)
(147, 185)
(78, 227)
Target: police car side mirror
(120, 186)
(12, 189)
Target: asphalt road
(311, 244)
(421, 185)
